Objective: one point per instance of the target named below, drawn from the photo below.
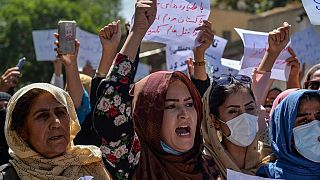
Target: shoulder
(7, 172)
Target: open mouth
(183, 131)
(54, 138)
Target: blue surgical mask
(169, 150)
(307, 140)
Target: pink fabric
(280, 97)
(260, 85)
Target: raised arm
(112, 112)
(205, 38)
(74, 86)
(294, 76)
(277, 41)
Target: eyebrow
(177, 100)
(236, 106)
(46, 109)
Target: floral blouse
(112, 119)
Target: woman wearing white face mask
(295, 137)
(230, 127)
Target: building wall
(227, 20)
(270, 20)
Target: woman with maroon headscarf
(156, 133)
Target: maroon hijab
(148, 107)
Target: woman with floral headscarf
(156, 133)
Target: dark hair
(311, 71)
(309, 96)
(219, 94)
(275, 89)
(23, 107)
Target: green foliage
(19, 17)
(254, 6)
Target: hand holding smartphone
(21, 62)
(67, 36)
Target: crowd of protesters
(165, 126)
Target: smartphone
(67, 36)
(21, 62)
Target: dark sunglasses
(314, 85)
(225, 79)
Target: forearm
(293, 80)
(74, 85)
(199, 71)
(106, 61)
(131, 45)
(268, 60)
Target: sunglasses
(314, 85)
(225, 79)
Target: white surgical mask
(243, 129)
(307, 140)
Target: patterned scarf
(77, 161)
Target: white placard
(176, 57)
(90, 46)
(176, 21)
(234, 175)
(215, 51)
(142, 71)
(255, 46)
(43, 44)
(90, 49)
(306, 46)
(312, 8)
(223, 66)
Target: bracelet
(199, 63)
(99, 74)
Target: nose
(55, 121)
(183, 113)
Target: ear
(214, 121)
(23, 134)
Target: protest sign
(234, 175)
(90, 46)
(306, 46)
(177, 55)
(176, 21)
(312, 8)
(142, 71)
(215, 51)
(43, 43)
(90, 49)
(223, 66)
(255, 46)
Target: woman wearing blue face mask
(295, 138)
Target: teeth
(183, 134)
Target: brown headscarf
(255, 152)
(148, 107)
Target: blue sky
(127, 8)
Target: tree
(252, 6)
(19, 17)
